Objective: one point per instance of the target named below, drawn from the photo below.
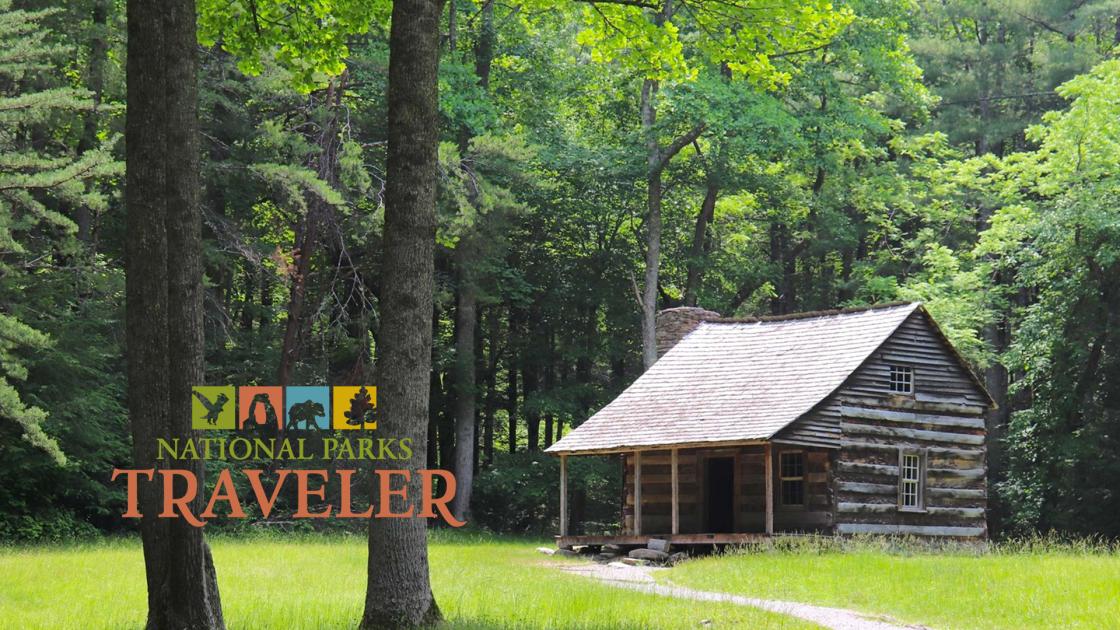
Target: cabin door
(720, 494)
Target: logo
(354, 407)
(260, 408)
(315, 408)
(212, 408)
(297, 424)
(308, 408)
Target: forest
(598, 160)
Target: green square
(213, 407)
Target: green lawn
(1020, 590)
(319, 582)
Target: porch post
(563, 494)
(769, 490)
(637, 493)
(676, 493)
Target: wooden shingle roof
(733, 381)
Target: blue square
(309, 408)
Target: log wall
(943, 421)
(749, 492)
(814, 516)
(657, 492)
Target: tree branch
(629, 3)
(679, 143)
(1069, 37)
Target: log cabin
(858, 421)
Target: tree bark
(491, 399)
(511, 378)
(466, 317)
(308, 236)
(699, 244)
(398, 591)
(164, 297)
(653, 226)
(95, 83)
(532, 416)
(657, 157)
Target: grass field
(1015, 587)
(497, 583)
(318, 582)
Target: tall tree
(36, 177)
(667, 43)
(164, 297)
(399, 592)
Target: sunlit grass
(1020, 585)
(319, 582)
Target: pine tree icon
(361, 409)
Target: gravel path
(641, 579)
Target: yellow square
(354, 407)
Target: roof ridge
(808, 314)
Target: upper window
(910, 481)
(791, 473)
(902, 379)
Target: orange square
(260, 408)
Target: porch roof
(733, 381)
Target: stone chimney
(674, 323)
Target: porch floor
(567, 542)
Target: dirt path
(641, 579)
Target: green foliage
(517, 494)
(651, 39)
(38, 178)
(958, 153)
(1066, 240)
(309, 39)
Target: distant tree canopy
(787, 156)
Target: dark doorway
(720, 475)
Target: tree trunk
(653, 226)
(511, 378)
(95, 83)
(164, 297)
(699, 244)
(435, 399)
(398, 591)
(248, 291)
(193, 579)
(466, 317)
(308, 236)
(264, 318)
(491, 399)
(532, 416)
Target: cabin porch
(718, 494)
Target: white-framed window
(791, 477)
(902, 379)
(911, 482)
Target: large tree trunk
(399, 592)
(466, 317)
(164, 297)
(653, 226)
